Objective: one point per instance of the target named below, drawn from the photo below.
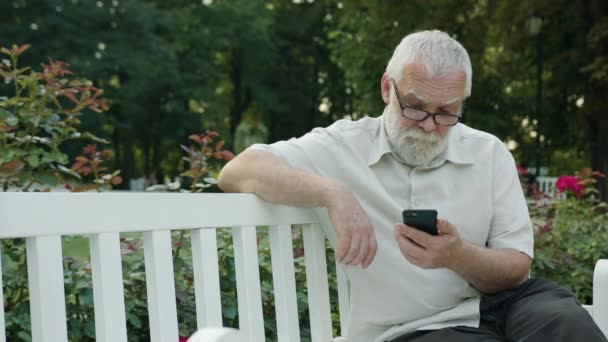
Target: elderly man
(469, 282)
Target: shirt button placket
(413, 201)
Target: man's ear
(385, 88)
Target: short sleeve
(312, 152)
(316, 152)
(511, 226)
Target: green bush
(571, 234)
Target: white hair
(436, 50)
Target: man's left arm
(490, 270)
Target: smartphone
(421, 219)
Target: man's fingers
(408, 248)
(445, 227)
(421, 238)
(371, 251)
(353, 249)
(363, 245)
(343, 244)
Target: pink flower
(569, 182)
(522, 170)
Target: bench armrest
(600, 295)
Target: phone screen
(421, 219)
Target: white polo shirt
(474, 185)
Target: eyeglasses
(416, 114)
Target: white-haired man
(470, 282)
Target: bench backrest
(43, 218)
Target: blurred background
(262, 71)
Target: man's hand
(356, 239)
(488, 269)
(428, 251)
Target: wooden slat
(600, 295)
(343, 298)
(251, 321)
(110, 319)
(2, 326)
(47, 299)
(161, 286)
(206, 278)
(136, 212)
(284, 282)
(316, 280)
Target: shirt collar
(382, 145)
(455, 152)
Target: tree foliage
(176, 67)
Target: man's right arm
(274, 180)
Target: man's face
(419, 142)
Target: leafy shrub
(38, 119)
(571, 234)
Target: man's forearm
(491, 270)
(275, 181)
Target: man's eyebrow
(412, 96)
(454, 100)
(415, 97)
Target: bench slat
(343, 298)
(206, 278)
(316, 281)
(600, 295)
(47, 298)
(2, 326)
(161, 286)
(108, 292)
(251, 320)
(284, 283)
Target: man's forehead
(446, 88)
(412, 94)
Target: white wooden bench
(43, 218)
(547, 185)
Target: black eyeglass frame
(434, 115)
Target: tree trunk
(241, 96)
(595, 98)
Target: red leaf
(94, 108)
(22, 49)
(219, 145)
(228, 155)
(196, 138)
(89, 149)
(69, 93)
(78, 165)
(12, 167)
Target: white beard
(413, 146)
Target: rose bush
(571, 233)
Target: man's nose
(428, 124)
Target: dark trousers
(536, 311)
